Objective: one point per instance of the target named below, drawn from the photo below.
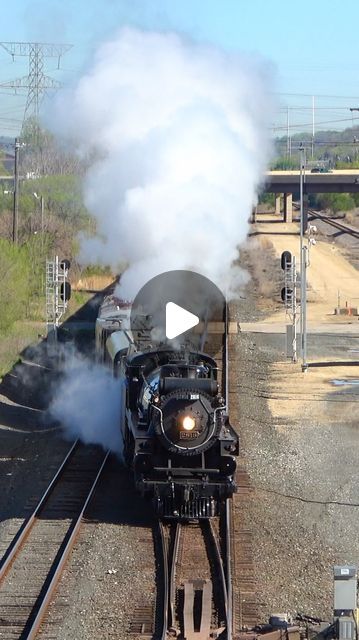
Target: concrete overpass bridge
(288, 182)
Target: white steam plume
(88, 404)
(181, 131)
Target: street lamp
(41, 198)
(303, 263)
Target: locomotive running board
(204, 632)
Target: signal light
(65, 264)
(286, 294)
(65, 291)
(286, 260)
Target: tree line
(54, 174)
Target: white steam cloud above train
(180, 134)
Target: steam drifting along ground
(87, 403)
(181, 143)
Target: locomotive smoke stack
(180, 131)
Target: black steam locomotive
(176, 433)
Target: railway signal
(58, 293)
(289, 297)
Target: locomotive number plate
(188, 435)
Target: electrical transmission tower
(37, 83)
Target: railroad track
(205, 584)
(197, 557)
(334, 223)
(352, 231)
(35, 559)
(196, 567)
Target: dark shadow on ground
(269, 220)
(335, 363)
(31, 444)
(117, 500)
(273, 233)
(31, 380)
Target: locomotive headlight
(188, 423)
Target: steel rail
(165, 580)
(46, 599)
(334, 223)
(229, 567)
(228, 581)
(27, 526)
(172, 576)
(221, 568)
(225, 354)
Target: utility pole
(313, 127)
(351, 110)
(303, 264)
(289, 137)
(15, 220)
(36, 82)
(42, 218)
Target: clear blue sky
(312, 44)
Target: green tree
(284, 163)
(2, 167)
(335, 201)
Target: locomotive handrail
(224, 409)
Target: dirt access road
(329, 275)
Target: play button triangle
(178, 320)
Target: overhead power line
(36, 82)
(307, 124)
(318, 95)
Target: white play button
(178, 320)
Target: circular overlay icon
(176, 307)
